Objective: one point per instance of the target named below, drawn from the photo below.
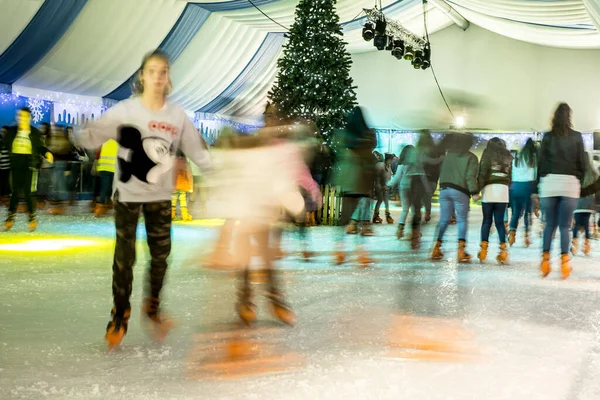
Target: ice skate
(527, 240)
(574, 246)
(363, 259)
(367, 229)
(352, 228)
(10, 221)
(400, 231)
(377, 219)
(436, 253)
(245, 309)
(427, 217)
(565, 266)
(280, 309)
(512, 237)
(415, 240)
(463, 257)
(502, 257)
(545, 265)
(186, 216)
(388, 218)
(159, 323)
(32, 225)
(340, 257)
(482, 255)
(117, 327)
(587, 247)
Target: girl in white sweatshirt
(149, 130)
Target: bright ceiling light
(459, 122)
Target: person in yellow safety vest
(105, 168)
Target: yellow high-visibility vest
(108, 157)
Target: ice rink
(404, 328)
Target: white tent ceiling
(226, 63)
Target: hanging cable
(431, 61)
(263, 13)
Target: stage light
(409, 53)
(390, 43)
(380, 26)
(380, 42)
(398, 49)
(368, 31)
(426, 57)
(459, 122)
(418, 60)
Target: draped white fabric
(14, 17)
(104, 46)
(212, 60)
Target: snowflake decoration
(36, 109)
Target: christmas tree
(314, 73)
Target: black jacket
(495, 168)
(562, 155)
(37, 144)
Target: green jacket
(354, 171)
(459, 171)
(37, 145)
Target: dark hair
(137, 86)
(355, 123)
(496, 148)
(4, 126)
(528, 155)
(561, 122)
(26, 109)
(425, 142)
(405, 153)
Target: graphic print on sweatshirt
(146, 159)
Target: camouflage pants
(157, 216)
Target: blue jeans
(558, 212)
(106, 186)
(362, 212)
(582, 221)
(452, 200)
(495, 212)
(59, 181)
(520, 203)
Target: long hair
(137, 85)
(496, 149)
(405, 153)
(561, 122)
(425, 142)
(527, 155)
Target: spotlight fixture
(418, 57)
(380, 41)
(398, 50)
(380, 26)
(390, 44)
(409, 53)
(426, 57)
(368, 31)
(416, 63)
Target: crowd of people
(259, 182)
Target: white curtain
(14, 17)
(104, 46)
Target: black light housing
(398, 50)
(418, 59)
(380, 26)
(409, 53)
(368, 31)
(390, 43)
(380, 42)
(426, 57)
